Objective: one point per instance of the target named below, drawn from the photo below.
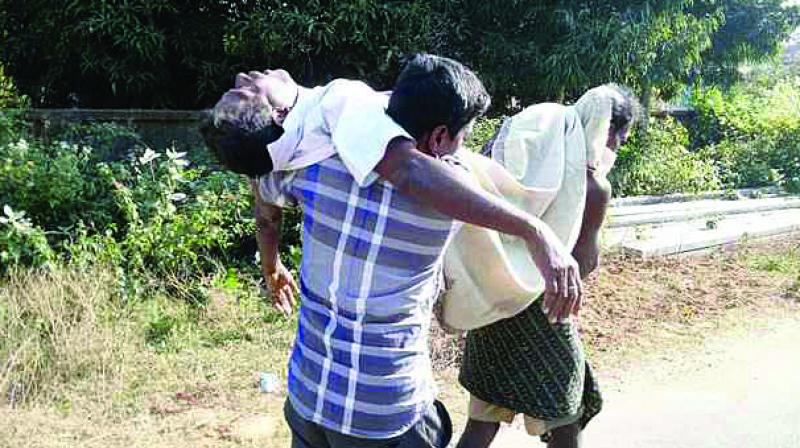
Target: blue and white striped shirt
(370, 272)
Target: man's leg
(305, 434)
(433, 430)
(483, 424)
(568, 436)
(478, 434)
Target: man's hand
(432, 182)
(282, 288)
(563, 288)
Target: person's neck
(282, 114)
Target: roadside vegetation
(131, 307)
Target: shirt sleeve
(355, 116)
(275, 189)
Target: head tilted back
(237, 133)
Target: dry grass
(80, 368)
(628, 297)
(83, 369)
(62, 335)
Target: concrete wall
(162, 128)
(158, 128)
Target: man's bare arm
(443, 188)
(587, 248)
(268, 230)
(281, 285)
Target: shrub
(150, 214)
(751, 132)
(21, 243)
(743, 163)
(56, 184)
(11, 126)
(660, 163)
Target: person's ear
(439, 141)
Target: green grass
(779, 263)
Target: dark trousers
(433, 430)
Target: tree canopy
(181, 54)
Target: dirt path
(737, 389)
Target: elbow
(588, 260)
(590, 265)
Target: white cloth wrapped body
(491, 276)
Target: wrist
(532, 233)
(270, 268)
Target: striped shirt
(369, 275)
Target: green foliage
(150, 214)
(752, 131)
(780, 263)
(555, 50)
(20, 242)
(156, 53)
(482, 132)
(743, 164)
(12, 127)
(752, 32)
(660, 163)
(9, 97)
(104, 53)
(318, 40)
(53, 183)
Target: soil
(628, 296)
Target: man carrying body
(373, 238)
(527, 364)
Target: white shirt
(345, 117)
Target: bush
(483, 131)
(743, 163)
(751, 132)
(660, 163)
(56, 184)
(151, 214)
(20, 242)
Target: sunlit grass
(74, 354)
(786, 262)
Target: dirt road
(735, 390)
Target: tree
(182, 54)
(753, 31)
(556, 50)
(318, 40)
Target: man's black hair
(432, 91)
(239, 138)
(625, 112)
